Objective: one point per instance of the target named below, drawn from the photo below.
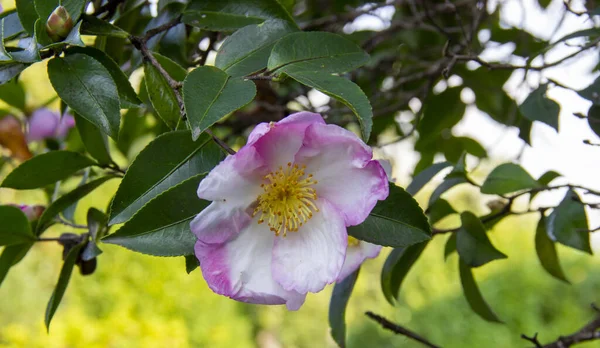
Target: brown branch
(386, 324)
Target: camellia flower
(276, 227)
(45, 123)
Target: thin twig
(61, 220)
(386, 324)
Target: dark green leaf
(443, 187)
(218, 21)
(248, 49)
(12, 24)
(29, 54)
(450, 246)
(568, 223)
(167, 161)
(345, 91)
(544, 3)
(439, 210)
(472, 243)
(441, 112)
(128, 97)
(11, 255)
(162, 226)
(545, 180)
(73, 39)
(546, 252)
(94, 26)
(96, 222)
(13, 94)
(46, 169)
(61, 285)
(425, 176)
(191, 263)
(27, 14)
(209, 94)
(69, 212)
(507, 178)
(176, 71)
(10, 70)
(4, 55)
(460, 168)
(592, 92)
(538, 107)
(14, 228)
(337, 307)
(593, 118)
(95, 142)
(162, 96)
(65, 201)
(87, 87)
(396, 267)
(319, 52)
(473, 295)
(397, 222)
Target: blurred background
(152, 302)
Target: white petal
(356, 255)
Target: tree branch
(589, 332)
(386, 324)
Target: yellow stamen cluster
(288, 199)
(353, 242)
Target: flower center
(353, 242)
(288, 200)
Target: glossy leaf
(167, 161)
(61, 285)
(473, 295)
(345, 91)
(27, 14)
(568, 223)
(127, 96)
(10, 70)
(162, 96)
(538, 107)
(95, 142)
(46, 169)
(14, 228)
(209, 94)
(546, 252)
(473, 244)
(11, 255)
(425, 176)
(191, 263)
(87, 87)
(396, 267)
(218, 21)
(93, 26)
(337, 307)
(508, 178)
(162, 226)
(67, 200)
(319, 52)
(397, 222)
(248, 49)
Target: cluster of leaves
(264, 65)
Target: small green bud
(59, 24)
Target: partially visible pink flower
(45, 123)
(358, 251)
(33, 212)
(1, 9)
(276, 227)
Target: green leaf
(546, 252)
(248, 49)
(95, 142)
(593, 118)
(568, 223)
(460, 168)
(450, 246)
(45, 8)
(27, 15)
(15, 228)
(592, 92)
(167, 161)
(10, 70)
(11, 255)
(397, 222)
(65, 201)
(319, 52)
(209, 94)
(538, 107)
(162, 96)
(446, 185)
(12, 24)
(96, 222)
(87, 87)
(544, 3)
(439, 210)
(425, 176)
(63, 282)
(473, 295)
(545, 180)
(472, 243)
(13, 94)
(4, 55)
(191, 263)
(337, 307)
(217, 21)
(29, 54)
(507, 178)
(162, 226)
(440, 114)
(396, 267)
(343, 90)
(73, 39)
(176, 71)
(94, 26)
(46, 169)
(128, 97)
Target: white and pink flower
(276, 227)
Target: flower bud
(12, 138)
(45, 123)
(33, 212)
(59, 24)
